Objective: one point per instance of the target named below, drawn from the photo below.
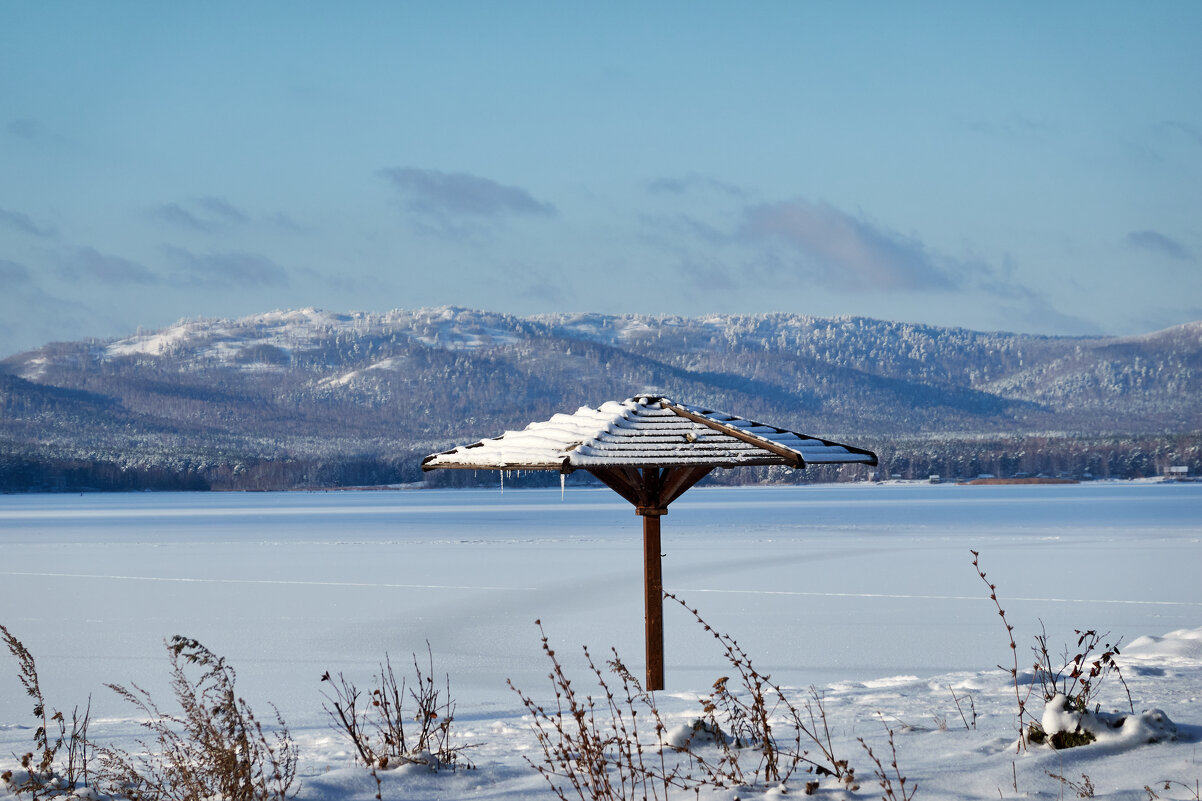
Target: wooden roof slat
(645, 431)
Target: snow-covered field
(867, 592)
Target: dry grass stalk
(886, 776)
(1194, 792)
(215, 747)
(972, 708)
(1082, 789)
(44, 773)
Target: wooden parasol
(649, 450)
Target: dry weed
(384, 732)
(58, 766)
(214, 748)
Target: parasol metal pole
(653, 590)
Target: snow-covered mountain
(310, 396)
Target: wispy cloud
(457, 194)
(283, 222)
(1041, 315)
(1159, 243)
(33, 132)
(25, 224)
(220, 208)
(1015, 306)
(843, 252)
(1158, 319)
(226, 270)
(12, 272)
(176, 214)
(1185, 128)
(204, 214)
(694, 182)
(89, 264)
(1016, 126)
(23, 128)
(550, 288)
(669, 230)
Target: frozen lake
(819, 584)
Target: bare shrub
(1079, 676)
(58, 766)
(763, 721)
(215, 747)
(382, 730)
(614, 744)
(1075, 678)
(592, 746)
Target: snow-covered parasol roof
(645, 431)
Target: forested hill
(314, 398)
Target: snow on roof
(645, 431)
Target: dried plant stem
(885, 777)
(1084, 789)
(44, 773)
(1167, 784)
(1013, 670)
(971, 706)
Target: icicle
(562, 481)
(502, 482)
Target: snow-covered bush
(1079, 677)
(1069, 686)
(1065, 725)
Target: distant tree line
(947, 457)
(1081, 458)
(22, 474)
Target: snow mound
(694, 735)
(1180, 647)
(1114, 729)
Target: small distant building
(933, 478)
(1178, 471)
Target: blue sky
(1027, 167)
